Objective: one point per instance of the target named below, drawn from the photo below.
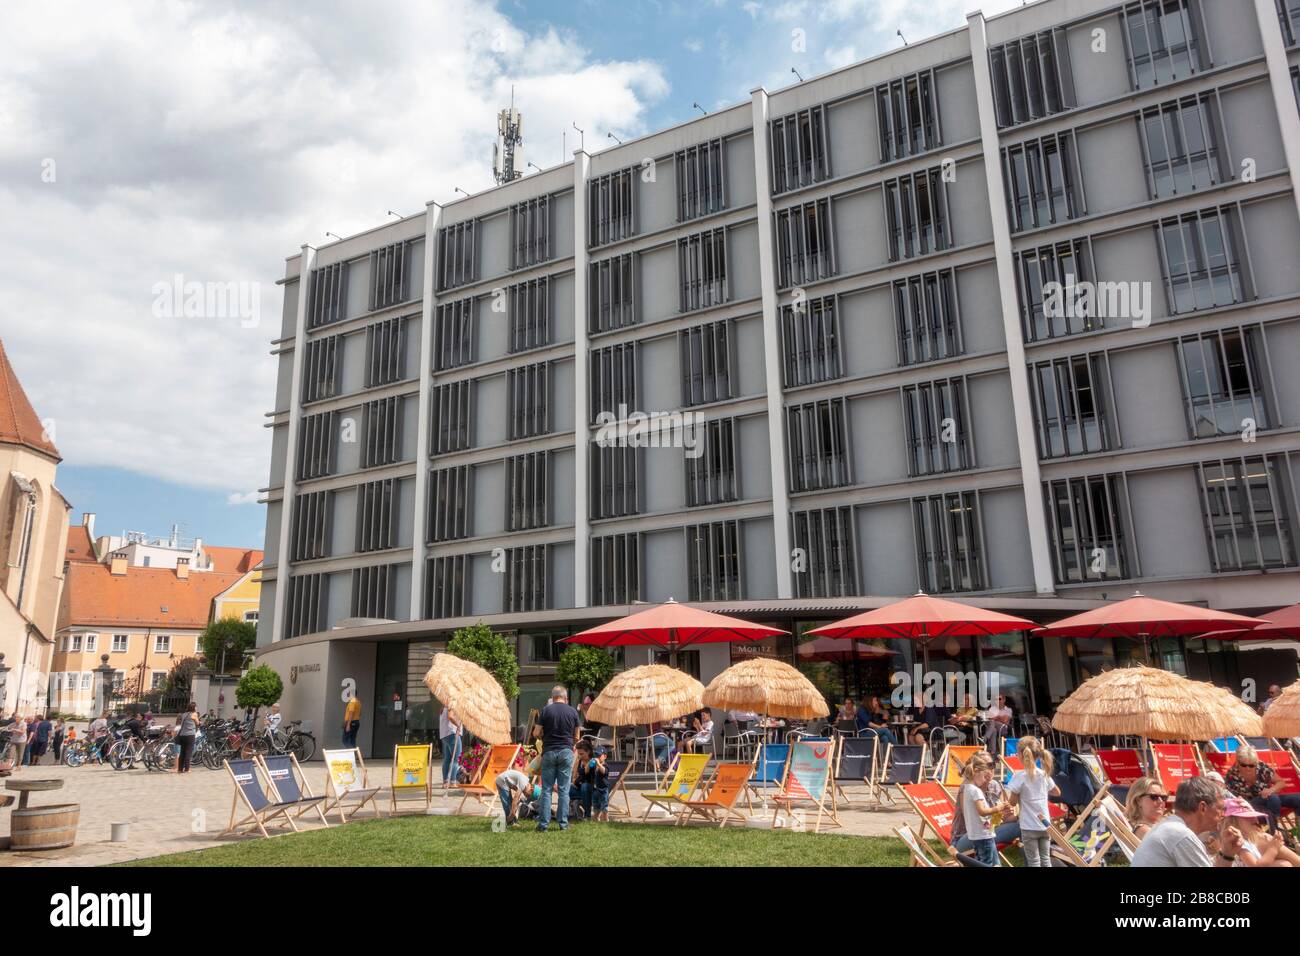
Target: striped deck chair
(1122, 769)
(686, 771)
(922, 854)
(286, 778)
(718, 803)
(769, 771)
(1174, 763)
(251, 790)
(484, 788)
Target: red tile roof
(228, 560)
(19, 423)
(93, 595)
(80, 547)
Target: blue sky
(264, 126)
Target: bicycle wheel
(256, 747)
(166, 756)
(303, 746)
(119, 756)
(73, 757)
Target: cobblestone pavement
(170, 813)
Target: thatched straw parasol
(766, 686)
(473, 695)
(1282, 719)
(1148, 702)
(646, 695)
(1249, 723)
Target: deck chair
(286, 778)
(1011, 763)
(950, 766)
(249, 789)
(1260, 743)
(922, 854)
(718, 803)
(1219, 762)
(1174, 763)
(412, 766)
(769, 771)
(1284, 766)
(809, 779)
(1073, 845)
(937, 809)
(1121, 769)
(347, 789)
(903, 763)
(856, 763)
(484, 787)
(1225, 745)
(616, 773)
(1112, 814)
(687, 770)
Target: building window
(85, 681)
(1032, 77)
(701, 180)
(1223, 390)
(937, 418)
(385, 352)
(389, 268)
(1070, 405)
(810, 341)
(528, 396)
(801, 153)
(454, 336)
(713, 561)
(916, 215)
(316, 445)
(1087, 528)
(611, 293)
(819, 445)
(162, 644)
(614, 481)
(611, 207)
(907, 116)
(706, 363)
(91, 641)
(525, 585)
(711, 470)
(614, 380)
(120, 643)
(452, 411)
(449, 495)
(927, 317)
(1040, 177)
(157, 679)
(805, 244)
(457, 255)
(445, 586)
(1047, 280)
(949, 554)
(530, 232)
(327, 295)
(250, 617)
(76, 644)
(1179, 142)
(382, 426)
(320, 377)
(1199, 254)
(377, 515)
(702, 270)
(374, 591)
(312, 514)
(546, 648)
(1162, 40)
(530, 314)
(1246, 513)
(1288, 12)
(825, 551)
(527, 480)
(616, 569)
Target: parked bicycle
(299, 742)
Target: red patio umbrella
(830, 649)
(1143, 617)
(922, 617)
(673, 626)
(1284, 622)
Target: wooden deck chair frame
(783, 800)
(257, 818)
(394, 789)
(334, 798)
(921, 852)
(717, 811)
(620, 790)
(874, 790)
(666, 798)
(1066, 850)
(309, 801)
(1116, 821)
(887, 766)
(751, 789)
(485, 793)
(952, 802)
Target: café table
(26, 787)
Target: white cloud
(693, 45)
(247, 498)
(211, 142)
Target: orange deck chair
(484, 788)
(718, 803)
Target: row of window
(77, 643)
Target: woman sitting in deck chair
(1146, 805)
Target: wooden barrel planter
(44, 828)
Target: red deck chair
(1121, 767)
(937, 809)
(1219, 762)
(1175, 763)
(1286, 771)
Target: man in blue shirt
(561, 726)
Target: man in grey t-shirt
(1198, 808)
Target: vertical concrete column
(306, 263)
(581, 385)
(1031, 478)
(432, 220)
(772, 350)
(1284, 99)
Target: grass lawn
(470, 841)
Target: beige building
(33, 538)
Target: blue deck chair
(291, 787)
(246, 774)
(769, 770)
(1225, 745)
(903, 763)
(856, 763)
(1260, 743)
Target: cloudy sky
(145, 143)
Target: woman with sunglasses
(1146, 805)
(1260, 786)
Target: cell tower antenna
(507, 153)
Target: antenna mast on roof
(508, 154)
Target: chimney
(117, 563)
(183, 568)
(88, 521)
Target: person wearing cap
(1258, 848)
(1173, 842)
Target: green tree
(582, 668)
(181, 677)
(226, 641)
(480, 644)
(260, 687)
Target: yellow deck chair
(687, 772)
(484, 788)
(718, 804)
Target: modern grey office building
(1011, 314)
